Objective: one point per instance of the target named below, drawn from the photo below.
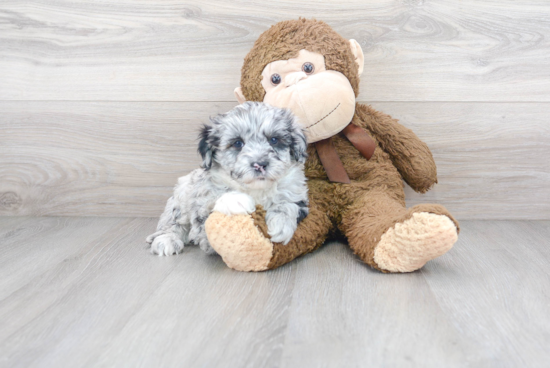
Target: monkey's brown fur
(284, 40)
(374, 202)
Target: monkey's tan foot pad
(238, 241)
(407, 246)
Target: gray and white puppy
(254, 154)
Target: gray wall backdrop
(100, 102)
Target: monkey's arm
(244, 243)
(409, 154)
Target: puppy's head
(254, 143)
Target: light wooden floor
(85, 292)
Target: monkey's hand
(240, 243)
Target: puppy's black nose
(260, 166)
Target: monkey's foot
(407, 246)
(239, 242)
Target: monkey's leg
(391, 238)
(243, 243)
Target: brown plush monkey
(355, 168)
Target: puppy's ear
(298, 147)
(205, 147)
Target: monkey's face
(323, 100)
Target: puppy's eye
(275, 79)
(238, 144)
(273, 140)
(308, 68)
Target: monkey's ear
(205, 148)
(239, 94)
(358, 54)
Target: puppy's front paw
(280, 228)
(166, 245)
(235, 203)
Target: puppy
(254, 154)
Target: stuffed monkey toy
(358, 159)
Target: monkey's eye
(238, 144)
(275, 79)
(308, 68)
(273, 140)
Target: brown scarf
(330, 159)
